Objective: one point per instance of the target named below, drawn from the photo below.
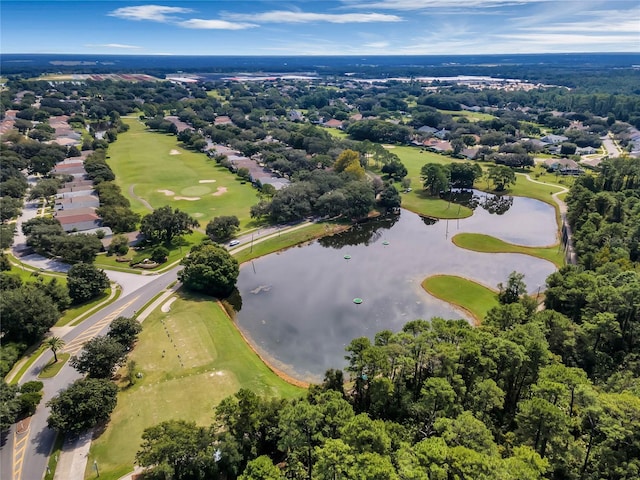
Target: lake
(297, 305)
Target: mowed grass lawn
(213, 363)
(470, 296)
(488, 244)
(152, 166)
(277, 243)
(418, 200)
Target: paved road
(36, 448)
(610, 146)
(24, 453)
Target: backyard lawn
(190, 358)
(151, 167)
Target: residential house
(442, 134)
(427, 130)
(180, 125)
(333, 123)
(222, 120)
(80, 222)
(81, 201)
(295, 116)
(553, 139)
(563, 166)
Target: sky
(317, 27)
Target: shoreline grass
(288, 240)
(487, 244)
(470, 296)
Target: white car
(233, 243)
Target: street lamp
(95, 465)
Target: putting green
(196, 190)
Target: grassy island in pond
(487, 244)
(472, 297)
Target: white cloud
(287, 16)
(155, 13)
(112, 45)
(429, 4)
(560, 41)
(376, 45)
(198, 23)
(613, 22)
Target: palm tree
(55, 344)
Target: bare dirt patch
(168, 193)
(190, 199)
(207, 181)
(175, 152)
(219, 191)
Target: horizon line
(325, 55)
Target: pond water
(297, 305)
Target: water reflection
(363, 233)
(494, 204)
(297, 306)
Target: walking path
(146, 204)
(73, 457)
(567, 237)
(562, 206)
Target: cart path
(141, 200)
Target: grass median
(191, 357)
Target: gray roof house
(81, 201)
(554, 139)
(295, 115)
(426, 129)
(442, 134)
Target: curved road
(28, 461)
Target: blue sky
(316, 27)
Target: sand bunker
(388, 147)
(167, 305)
(168, 193)
(190, 199)
(206, 181)
(174, 152)
(219, 191)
